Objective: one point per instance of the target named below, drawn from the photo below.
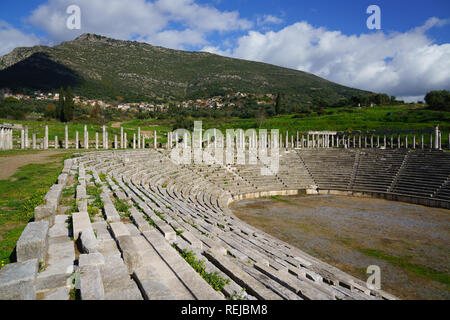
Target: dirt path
(409, 243)
(10, 164)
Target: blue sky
(409, 56)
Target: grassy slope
(20, 194)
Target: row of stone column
(216, 139)
(78, 144)
(310, 140)
(6, 137)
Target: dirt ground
(409, 243)
(10, 164)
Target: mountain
(100, 67)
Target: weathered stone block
(17, 280)
(80, 222)
(45, 212)
(119, 229)
(33, 242)
(92, 259)
(91, 285)
(89, 243)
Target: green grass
(122, 207)
(19, 195)
(403, 263)
(212, 278)
(95, 192)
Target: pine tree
(68, 105)
(60, 106)
(278, 104)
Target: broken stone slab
(59, 267)
(92, 259)
(17, 280)
(111, 213)
(130, 252)
(53, 196)
(81, 192)
(80, 223)
(62, 294)
(62, 179)
(82, 205)
(119, 229)
(91, 285)
(45, 212)
(89, 243)
(253, 287)
(33, 242)
(59, 229)
(151, 285)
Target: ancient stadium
(178, 215)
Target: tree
(278, 104)
(68, 105)
(438, 100)
(94, 112)
(60, 106)
(50, 111)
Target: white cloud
(402, 64)
(268, 19)
(152, 21)
(11, 38)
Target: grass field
(20, 194)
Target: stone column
(122, 145)
(22, 139)
(440, 140)
(27, 142)
(96, 140)
(449, 141)
(34, 141)
(392, 141)
(399, 141)
(66, 137)
(139, 138)
(406, 141)
(385, 142)
(307, 141)
(2, 138)
(354, 141)
(104, 137)
(134, 140)
(185, 140)
(143, 141)
(76, 140)
(125, 141)
(431, 141)
(115, 142)
(421, 142)
(414, 141)
(155, 138)
(56, 142)
(86, 138)
(359, 141)
(46, 138)
(436, 139)
(378, 141)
